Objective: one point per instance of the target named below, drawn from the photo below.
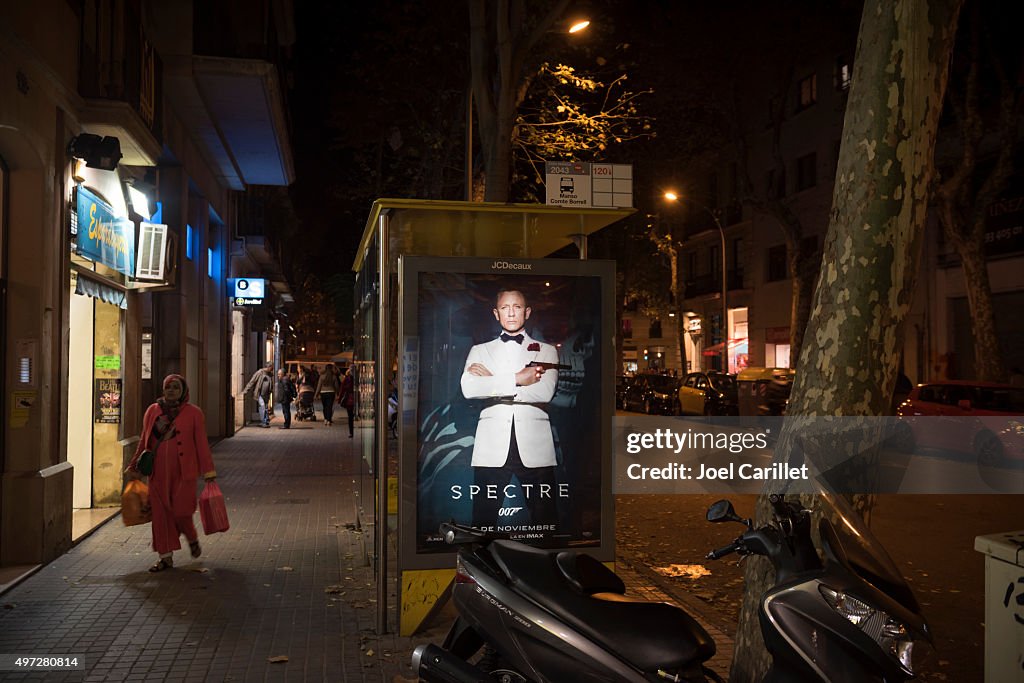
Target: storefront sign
(102, 236)
(108, 400)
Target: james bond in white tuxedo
(513, 436)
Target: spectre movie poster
(505, 382)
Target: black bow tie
(517, 338)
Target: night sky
(379, 97)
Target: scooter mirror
(722, 511)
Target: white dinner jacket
(494, 430)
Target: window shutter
(152, 249)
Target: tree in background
(572, 116)
(984, 98)
(880, 203)
(776, 80)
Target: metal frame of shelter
(432, 228)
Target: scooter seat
(650, 635)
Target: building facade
(115, 266)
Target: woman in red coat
(175, 430)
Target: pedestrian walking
(284, 392)
(326, 390)
(347, 398)
(261, 383)
(175, 430)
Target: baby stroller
(304, 406)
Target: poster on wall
(507, 424)
(108, 400)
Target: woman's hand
(211, 477)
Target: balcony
(121, 81)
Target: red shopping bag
(212, 509)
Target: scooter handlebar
(733, 547)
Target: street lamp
(672, 197)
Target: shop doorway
(94, 405)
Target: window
(775, 183)
(777, 263)
(627, 328)
(188, 242)
(655, 332)
(844, 73)
(808, 92)
(715, 256)
(809, 247)
(806, 171)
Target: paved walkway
(287, 582)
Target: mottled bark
(851, 351)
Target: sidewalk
(287, 581)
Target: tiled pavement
(287, 581)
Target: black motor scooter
(555, 616)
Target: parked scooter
(551, 616)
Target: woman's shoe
(194, 547)
(162, 564)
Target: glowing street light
(579, 26)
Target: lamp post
(672, 197)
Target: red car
(982, 418)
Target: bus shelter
(426, 274)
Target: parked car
(982, 418)
(708, 393)
(652, 394)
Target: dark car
(708, 393)
(981, 418)
(652, 394)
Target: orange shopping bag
(135, 503)
(212, 509)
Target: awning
(98, 290)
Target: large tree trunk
(854, 337)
